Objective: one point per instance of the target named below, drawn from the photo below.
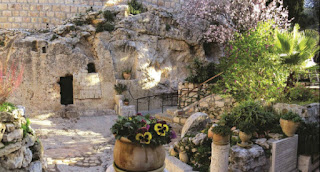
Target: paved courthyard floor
(84, 144)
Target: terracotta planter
(130, 156)
(183, 157)
(126, 76)
(289, 128)
(220, 140)
(210, 132)
(244, 137)
(126, 103)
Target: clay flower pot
(130, 156)
(244, 137)
(126, 103)
(220, 140)
(126, 76)
(183, 157)
(289, 128)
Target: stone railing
(42, 14)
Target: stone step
(164, 117)
(171, 111)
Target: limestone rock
(263, 142)
(27, 156)
(13, 160)
(29, 140)
(13, 136)
(6, 117)
(10, 148)
(251, 159)
(9, 127)
(195, 123)
(1, 145)
(35, 167)
(198, 139)
(275, 136)
(2, 130)
(37, 150)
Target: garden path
(84, 144)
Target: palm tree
(295, 47)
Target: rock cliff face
(152, 44)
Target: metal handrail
(148, 97)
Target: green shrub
(109, 16)
(291, 116)
(7, 107)
(105, 26)
(26, 127)
(309, 139)
(251, 116)
(251, 69)
(2, 43)
(200, 71)
(120, 88)
(222, 130)
(301, 93)
(168, 27)
(135, 7)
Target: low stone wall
(19, 151)
(213, 105)
(310, 112)
(40, 14)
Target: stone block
(6, 13)
(284, 154)
(176, 120)
(195, 123)
(3, 7)
(13, 136)
(9, 127)
(305, 163)
(245, 160)
(13, 160)
(3, 19)
(219, 104)
(10, 148)
(174, 164)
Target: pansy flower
(144, 137)
(161, 129)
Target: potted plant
(246, 128)
(289, 123)
(126, 101)
(139, 141)
(221, 135)
(126, 74)
(119, 88)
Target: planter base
(114, 168)
(247, 145)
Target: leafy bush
(291, 116)
(144, 130)
(231, 17)
(222, 130)
(7, 107)
(302, 94)
(136, 7)
(251, 69)
(105, 26)
(26, 127)
(109, 16)
(309, 140)
(250, 116)
(200, 71)
(120, 88)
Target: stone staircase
(175, 117)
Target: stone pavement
(84, 144)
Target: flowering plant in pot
(126, 101)
(221, 134)
(126, 74)
(119, 88)
(139, 141)
(289, 123)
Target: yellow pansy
(161, 129)
(144, 138)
